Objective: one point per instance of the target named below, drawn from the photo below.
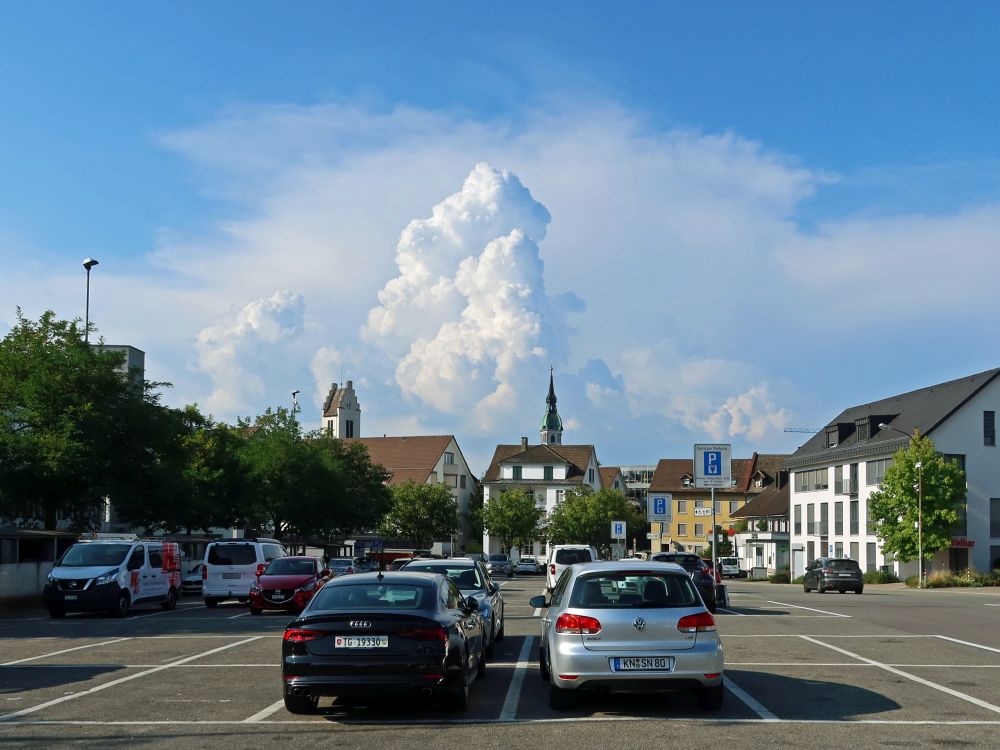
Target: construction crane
(803, 429)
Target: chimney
(524, 443)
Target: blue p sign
(619, 529)
(660, 506)
(713, 463)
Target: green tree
(358, 497)
(421, 513)
(722, 539)
(894, 506)
(75, 427)
(585, 516)
(474, 524)
(512, 518)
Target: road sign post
(713, 468)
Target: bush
(966, 579)
(781, 576)
(800, 579)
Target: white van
(113, 575)
(231, 566)
(562, 555)
(729, 567)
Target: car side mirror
(325, 573)
(260, 570)
(472, 604)
(494, 588)
(538, 602)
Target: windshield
(623, 590)
(467, 579)
(285, 566)
(498, 558)
(87, 555)
(341, 562)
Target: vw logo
(361, 623)
(639, 624)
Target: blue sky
(714, 222)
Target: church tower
(552, 427)
(341, 412)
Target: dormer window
(832, 437)
(686, 480)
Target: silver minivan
(231, 567)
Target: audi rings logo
(639, 624)
(361, 623)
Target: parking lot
(893, 667)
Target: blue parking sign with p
(713, 463)
(660, 506)
(619, 529)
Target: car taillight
(204, 573)
(702, 622)
(578, 624)
(552, 568)
(826, 570)
(425, 634)
(300, 635)
(349, 570)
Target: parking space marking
(811, 609)
(968, 643)
(731, 612)
(907, 675)
(273, 708)
(752, 703)
(509, 710)
(241, 614)
(64, 651)
(128, 678)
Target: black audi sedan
(383, 634)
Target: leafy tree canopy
(421, 513)
(895, 506)
(512, 518)
(585, 516)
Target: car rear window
(634, 589)
(284, 566)
(690, 563)
(572, 556)
(369, 596)
(466, 577)
(843, 565)
(232, 554)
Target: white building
(545, 470)
(835, 472)
(341, 412)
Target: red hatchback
(287, 583)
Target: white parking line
(64, 651)
(274, 707)
(241, 614)
(749, 700)
(969, 643)
(907, 675)
(128, 678)
(731, 612)
(509, 710)
(821, 611)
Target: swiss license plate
(361, 641)
(642, 663)
(231, 576)
(278, 596)
(70, 597)
(844, 575)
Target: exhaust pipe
(300, 691)
(426, 691)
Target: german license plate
(70, 597)
(231, 576)
(642, 663)
(361, 641)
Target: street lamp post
(920, 508)
(88, 264)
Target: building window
(348, 428)
(461, 481)
(855, 552)
(699, 530)
(838, 519)
(547, 472)
(863, 431)
(682, 529)
(734, 505)
(517, 472)
(810, 519)
(590, 475)
(449, 457)
(451, 480)
(812, 480)
(700, 503)
(989, 430)
(870, 556)
(682, 506)
(718, 507)
(798, 520)
(994, 517)
(875, 470)
(855, 527)
(832, 434)
(838, 549)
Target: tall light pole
(88, 264)
(920, 508)
(295, 402)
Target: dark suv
(703, 580)
(833, 574)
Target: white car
(231, 567)
(566, 554)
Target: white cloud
(235, 349)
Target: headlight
(307, 586)
(106, 578)
(50, 578)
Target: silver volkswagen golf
(628, 626)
